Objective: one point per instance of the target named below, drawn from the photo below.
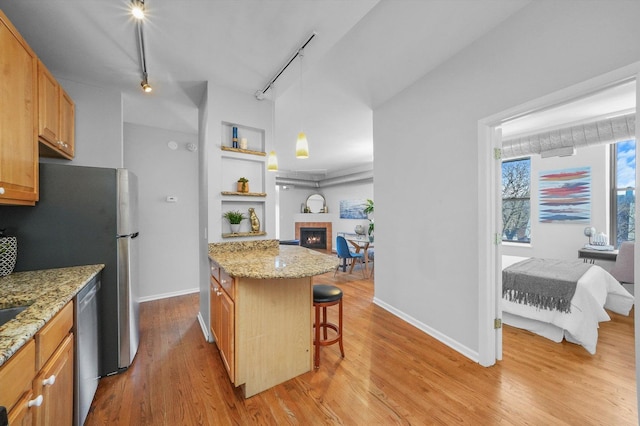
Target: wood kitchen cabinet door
(67, 124)
(222, 318)
(18, 118)
(48, 106)
(56, 117)
(227, 334)
(214, 311)
(57, 402)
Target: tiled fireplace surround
(326, 225)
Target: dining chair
(342, 248)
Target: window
(623, 191)
(516, 203)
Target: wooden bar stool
(323, 297)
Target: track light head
(146, 87)
(137, 9)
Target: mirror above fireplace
(316, 203)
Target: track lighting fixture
(302, 145)
(138, 5)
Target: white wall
(98, 136)
(100, 143)
(562, 240)
(224, 104)
(231, 106)
(168, 231)
(291, 200)
(433, 280)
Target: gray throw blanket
(544, 283)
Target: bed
(595, 290)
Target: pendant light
(272, 162)
(302, 145)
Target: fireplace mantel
(327, 225)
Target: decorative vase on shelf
(234, 137)
(8, 254)
(243, 185)
(255, 222)
(235, 228)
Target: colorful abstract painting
(353, 209)
(565, 195)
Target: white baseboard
(453, 344)
(203, 326)
(167, 295)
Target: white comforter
(596, 290)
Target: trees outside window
(516, 200)
(623, 191)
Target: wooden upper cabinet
(56, 117)
(18, 118)
(48, 106)
(67, 123)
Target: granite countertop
(46, 291)
(266, 259)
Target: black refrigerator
(87, 215)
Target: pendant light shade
(272, 162)
(302, 146)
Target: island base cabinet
(273, 331)
(55, 384)
(222, 325)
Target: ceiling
(365, 52)
(605, 103)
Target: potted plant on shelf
(243, 184)
(235, 218)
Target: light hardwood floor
(392, 374)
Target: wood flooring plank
(392, 373)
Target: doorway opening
(490, 136)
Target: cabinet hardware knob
(35, 402)
(49, 380)
(1, 190)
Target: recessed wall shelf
(244, 234)
(245, 194)
(243, 151)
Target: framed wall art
(565, 195)
(353, 209)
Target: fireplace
(316, 228)
(314, 238)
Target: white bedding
(596, 290)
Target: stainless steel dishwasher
(87, 348)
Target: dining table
(361, 243)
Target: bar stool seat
(324, 296)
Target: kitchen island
(261, 315)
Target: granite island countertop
(46, 291)
(265, 259)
